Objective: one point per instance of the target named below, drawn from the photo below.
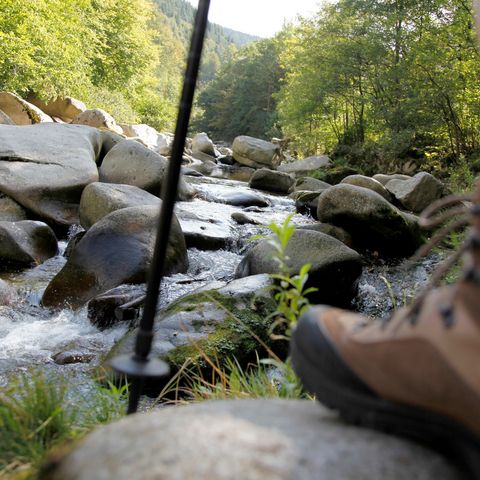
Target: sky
(258, 17)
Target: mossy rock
(216, 322)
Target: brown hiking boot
(417, 374)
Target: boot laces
(451, 213)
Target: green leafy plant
(290, 291)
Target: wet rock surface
(271, 181)
(334, 271)
(247, 440)
(116, 250)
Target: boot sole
(358, 408)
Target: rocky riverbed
(78, 210)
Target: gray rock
(102, 308)
(46, 167)
(131, 163)
(100, 199)
(201, 143)
(306, 203)
(332, 230)
(146, 134)
(216, 320)
(374, 223)
(271, 181)
(26, 243)
(20, 111)
(335, 267)
(307, 166)
(116, 250)
(418, 192)
(309, 184)
(384, 179)
(5, 119)
(256, 153)
(262, 439)
(243, 199)
(203, 231)
(367, 182)
(10, 210)
(97, 118)
(243, 219)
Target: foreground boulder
(307, 166)
(256, 153)
(131, 163)
(271, 181)
(418, 192)
(335, 267)
(26, 243)
(20, 111)
(45, 167)
(99, 199)
(262, 439)
(116, 250)
(215, 321)
(374, 223)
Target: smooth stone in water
(26, 243)
(262, 439)
(10, 210)
(99, 199)
(370, 183)
(309, 184)
(374, 223)
(117, 250)
(335, 267)
(384, 179)
(307, 166)
(271, 181)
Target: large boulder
(164, 144)
(216, 321)
(97, 118)
(63, 108)
(159, 142)
(10, 210)
(46, 167)
(20, 111)
(131, 163)
(249, 439)
(335, 267)
(306, 203)
(335, 232)
(271, 181)
(26, 243)
(307, 166)
(256, 153)
(367, 182)
(99, 199)
(116, 250)
(374, 223)
(418, 192)
(5, 119)
(202, 144)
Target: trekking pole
(139, 367)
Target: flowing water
(32, 336)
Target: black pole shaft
(170, 186)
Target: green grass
(36, 415)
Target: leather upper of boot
(421, 361)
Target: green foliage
(36, 414)
(240, 100)
(268, 378)
(391, 80)
(290, 291)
